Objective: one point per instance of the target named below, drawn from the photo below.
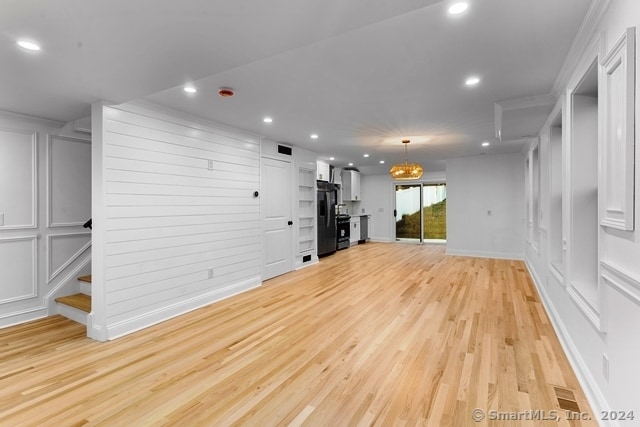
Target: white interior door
(277, 225)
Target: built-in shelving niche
(533, 195)
(582, 167)
(556, 182)
(618, 134)
(306, 241)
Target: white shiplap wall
(181, 225)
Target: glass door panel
(434, 211)
(407, 212)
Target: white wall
(179, 225)
(485, 206)
(605, 328)
(45, 197)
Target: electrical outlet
(605, 366)
(1, 219)
(210, 165)
(210, 273)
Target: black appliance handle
(326, 204)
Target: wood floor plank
(379, 334)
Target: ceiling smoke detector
(225, 92)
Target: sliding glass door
(421, 212)
(408, 203)
(434, 212)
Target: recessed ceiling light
(458, 8)
(332, 158)
(472, 81)
(382, 162)
(486, 144)
(365, 155)
(314, 136)
(267, 120)
(28, 45)
(350, 164)
(190, 89)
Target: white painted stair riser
(72, 313)
(85, 287)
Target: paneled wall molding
(618, 134)
(33, 223)
(621, 280)
(580, 209)
(556, 273)
(52, 221)
(585, 304)
(581, 43)
(50, 238)
(34, 268)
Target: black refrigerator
(327, 233)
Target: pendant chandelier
(406, 170)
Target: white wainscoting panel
(63, 250)
(18, 268)
(618, 145)
(182, 225)
(18, 179)
(622, 281)
(69, 181)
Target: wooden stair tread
(85, 278)
(79, 301)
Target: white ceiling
(363, 74)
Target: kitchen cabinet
(337, 176)
(323, 171)
(354, 235)
(351, 185)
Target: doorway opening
(421, 213)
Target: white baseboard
(307, 264)
(486, 254)
(589, 385)
(22, 316)
(128, 326)
(381, 240)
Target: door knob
(289, 222)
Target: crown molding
(584, 38)
(40, 121)
(526, 102)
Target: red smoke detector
(225, 92)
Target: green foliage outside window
(435, 223)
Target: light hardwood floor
(379, 334)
